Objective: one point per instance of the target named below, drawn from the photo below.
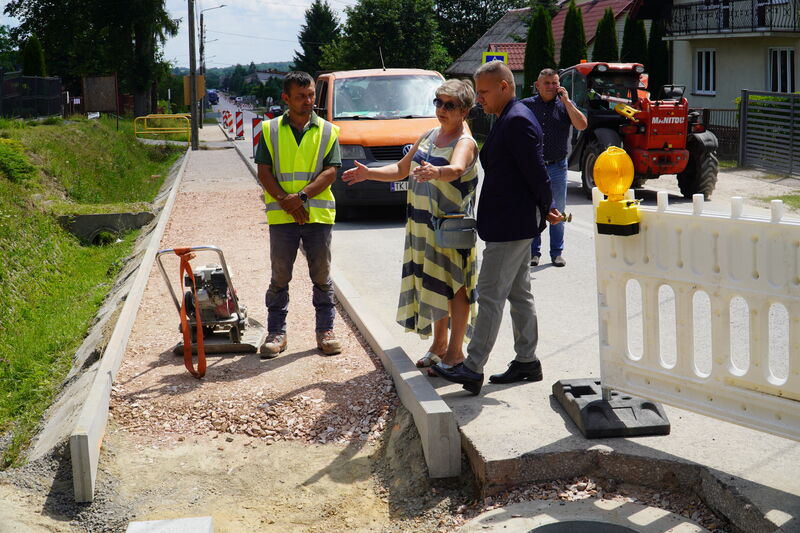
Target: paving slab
(200, 524)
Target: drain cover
(582, 526)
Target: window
(566, 82)
(578, 94)
(780, 70)
(705, 72)
(322, 97)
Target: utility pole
(202, 68)
(192, 78)
(203, 60)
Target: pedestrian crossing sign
(495, 56)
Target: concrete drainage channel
(600, 516)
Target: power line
(256, 37)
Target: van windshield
(385, 97)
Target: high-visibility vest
(295, 166)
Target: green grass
(50, 285)
(791, 200)
(96, 164)
(728, 164)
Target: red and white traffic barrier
(239, 125)
(224, 119)
(230, 122)
(256, 133)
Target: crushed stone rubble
(305, 417)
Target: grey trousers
(504, 275)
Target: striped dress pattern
(432, 275)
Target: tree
(86, 37)
(573, 43)
(605, 40)
(235, 82)
(551, 6)
(321, 28)
(9, 54)
(404, 32)
(465, 21)
(540, 48)
(657, 64)
(634, 42)
(33, 58)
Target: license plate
(397, 186)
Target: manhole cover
(582, 526)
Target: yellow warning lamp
(613, 175)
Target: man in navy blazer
(514, 207)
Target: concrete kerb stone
(87, 437)
(436, 424)
(435, 421)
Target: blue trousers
(558, 184)
(284, 241)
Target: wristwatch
(303, 196)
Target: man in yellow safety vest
(297, 158)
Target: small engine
(214, 298)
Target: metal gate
(29, 96)
(767, 124)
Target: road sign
(495, 56)
(201, 88)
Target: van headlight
(353, 151)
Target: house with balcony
(720, 47)
(509, 32)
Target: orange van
(380, 113)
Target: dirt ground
(300, 443)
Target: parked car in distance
(380, 114)
(212, 97)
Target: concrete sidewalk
(518, 433)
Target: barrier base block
(622, 416)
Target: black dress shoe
(519, 372)
(472, 381)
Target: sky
(245, 30)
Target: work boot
(274, 344)
(326, 341)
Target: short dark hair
(296, 77)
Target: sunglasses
(448, 106)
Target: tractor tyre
(592, 152)
(700, 175)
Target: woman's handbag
(453, 230)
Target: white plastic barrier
(702, 311)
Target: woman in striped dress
(437, 291)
